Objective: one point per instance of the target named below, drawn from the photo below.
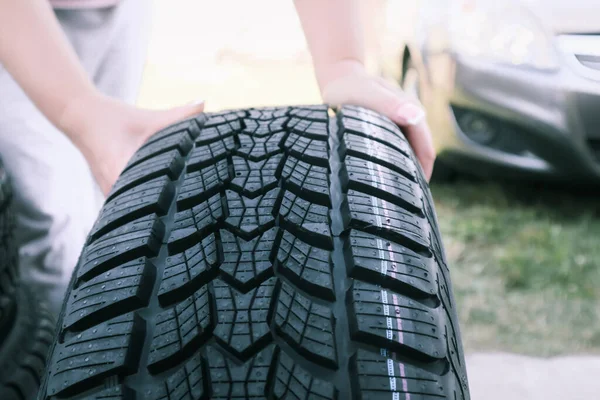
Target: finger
(419, 138)
(168, 117)
(411, 118)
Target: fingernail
(197, 102)
(410, 114)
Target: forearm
(334, 35)
(35, 51)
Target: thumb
(168, 117)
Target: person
(68, 79)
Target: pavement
(503, 376)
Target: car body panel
(557, 111)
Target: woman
(67, 128)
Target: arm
(34, 50)
(36, 53)
(335, 39)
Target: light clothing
(72, 4)
(56, 197)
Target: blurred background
(512, 92)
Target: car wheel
(442, 172)
(8, 248)
(24, 344)
(285, 252)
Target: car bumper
(549, 121)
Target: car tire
(264, 253)
(24, 345)
(442, 172)
(8, 248)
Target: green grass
(525, 265)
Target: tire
(442, 172)
(8, 248)
(24, 347)
(283, 252)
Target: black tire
(442, 172)
(8, 248)
(236, 258)
(24, 346)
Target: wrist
(327, 74)
(74, 116)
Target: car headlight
(502, 31)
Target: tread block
(192, 126)
(231, 380)
(218, 133)
(374, 214)
(169, 164)
(179, 329)
(201, 184)
(110, 348)
(313, 113)
(242, 326)
(392, 265)
(384, 183)
(204, 155)
(189, 270)
(246, 263)
(311, 129)
(260, 128)
(293, 381)
(154, 196)
(256, 148)
(308, 267)
(308, 149)
(248, 217)
(187, 383)
(307, 180)
(181, 141)
(139, 238)
(371, 117)
(397, 323)
(255, 177)
(383, 136)
(306, 219)
(377, 372)
(190, 226)
(119, 392)
(225, 117)
(268, 113)
(306, 326)
(121, 289)
(372, 150)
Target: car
(511, 88)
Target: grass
(525, 265)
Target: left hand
(355, 86)
(108, 132)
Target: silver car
(511, 88)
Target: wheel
(24, 346)
(264, 253)
(8, 248)
(442, 172)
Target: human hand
(353, 85)
(108, 132)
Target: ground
(524, 262)
(524, 259)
